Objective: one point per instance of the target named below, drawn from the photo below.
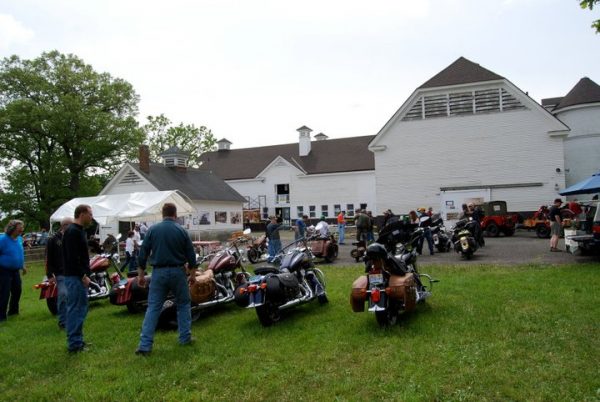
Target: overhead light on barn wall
(556, 187)
(557, 170)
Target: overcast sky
(254, 71)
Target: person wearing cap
(425, 223)
(555, 224)
(273, 236)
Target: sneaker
(144, 353)
(189, 343)
(82, 348)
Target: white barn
(313, 178)
(468, 134)
(580, 110)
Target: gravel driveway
(522, 248)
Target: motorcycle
(359, 251)
(441, 238)
(322, 247)
(465, 235)
(273, 290)
(257, 249)
(392, 284)
(214, 285)
(100, 281)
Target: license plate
(255, 278)
(375, 279)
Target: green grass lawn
(488, 333)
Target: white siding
(582, 146)
(326, 189)
(490, 149)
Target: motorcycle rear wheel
(253, 255)
(388, 317)
(133, 307)
(268, 314)
(332, 254)
(52, 305)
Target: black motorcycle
(274, 289)
(465, 237)
(441, 238)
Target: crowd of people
(167, 247)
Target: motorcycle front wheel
(52, 305)
(268, 314)
(253, 255)
(332, 254)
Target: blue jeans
(77, 308)
(341, 232)
(10, 288)
(164, 280)
(274, 248)
(61, 300)
(130, 261)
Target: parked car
(497, 220)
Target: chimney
(304, 141)
(223, 144)
(144, 158)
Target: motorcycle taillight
(375, 295)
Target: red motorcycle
(100, 282)
(214, 285)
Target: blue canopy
(590, 185)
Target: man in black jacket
(55, 270)
(77, 276)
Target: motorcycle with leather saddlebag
(100, 282)
(273, 290)
(322, 247)
(392, 284)
(466, 233)
(215, 285)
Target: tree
(64, 128)
(590, 4)
(162, 135)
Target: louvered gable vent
(131, 178)
(463, 103)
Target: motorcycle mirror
(247, 231)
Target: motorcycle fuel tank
(293, 261)
(221, 262)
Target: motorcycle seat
(266, 270)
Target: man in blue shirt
(12, 260)
(168, 247)
(300, 229)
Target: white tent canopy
(143, 206)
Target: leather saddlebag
(403, 288)
(318, 247)
(204, 288)
(359, 294)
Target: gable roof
(585, 91)
(327, 156)
(195, 183)
(462, 71)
